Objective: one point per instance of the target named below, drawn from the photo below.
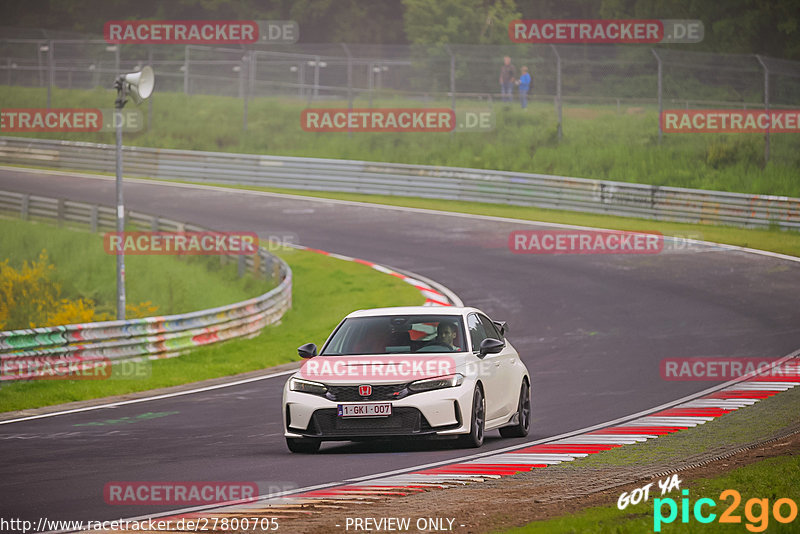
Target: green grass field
(598, 142)
(325, 290)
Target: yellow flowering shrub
(29, 298)
(27, 294)
(138, 311)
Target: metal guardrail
(151, 337)
(452, 183)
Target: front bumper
(439, 412)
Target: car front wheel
(475, 437)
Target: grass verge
(772, 478)
(768, 480)
(85, 270)
(325, 289)
(599, 142)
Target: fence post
(186, 70)
(39, 68)
(452, 77)
(252, 72)
(149, 100)
(660, 93)
(93, 219)
(370, 66)
(301, 79)
(247, 59)
(60, 212)
(349, 76)
(256, 264)
(25, 208)
(316, 77)
(558, 90)
(452, 82)
(241, 265)
(239, 69)
(50, 72)
(266, 265)
(349, 85)
(766, 106)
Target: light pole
(140, 86)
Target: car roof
(414, 310)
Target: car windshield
(397, 334)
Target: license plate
(365, 410)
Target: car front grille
(404, 421)
(384, 392)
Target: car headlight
(440, 382)
(307, 386)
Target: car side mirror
(491, 346)
(502, 326)
(309, 350)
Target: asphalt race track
(592, 329)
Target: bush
(27, 294)
(726, 153)
(30, 298)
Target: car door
(488, 370)
(505, 363)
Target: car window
(396, 334)
(476, 331)
(490, 328)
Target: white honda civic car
(408, 372)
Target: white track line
(387, 207)
(410, 475)
(146, 399)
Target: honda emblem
(365, 390)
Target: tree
(438, 22)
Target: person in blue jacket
(524, 87)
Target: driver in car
(445, 335)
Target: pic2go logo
(756, 511)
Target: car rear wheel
(520, 429)
(475, 437)
(303, 445)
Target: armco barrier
(151, 337)
(514, 188)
